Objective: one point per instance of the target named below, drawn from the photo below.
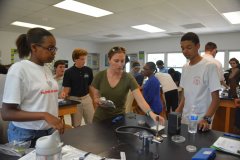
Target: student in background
(161, 67)
(176, 76)
(3, 69)
(210, 53)
(135, 71)
(234, 77)
(59, 68)
(200, 83)
(30, 99)
(114, 84)
(170, 91)
(76, 85)
(151, 89)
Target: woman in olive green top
(114, 84)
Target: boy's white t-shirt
(199, 81)
(32, 87)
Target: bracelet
(148, 111)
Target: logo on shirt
(196, 80)
(86, 75)
(49, 91)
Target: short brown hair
(78, 52)
(59, 62)
(210, 46)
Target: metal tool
(84, 156)
(157, 118)
(158, 137)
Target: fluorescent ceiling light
(233, 17)
(148, 28)
(30, 25)
(82, 8)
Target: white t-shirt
(32, 87)
(219, 65)
(166, 81)
(198, 81)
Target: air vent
(176, 33)
(193, 25)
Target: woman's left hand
(157, 117)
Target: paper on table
(68, 153)
(228, 145)
(31, 155)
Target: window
(220, 56)
(154, 57)
(234, 54)
(176, 60)
(131, 57)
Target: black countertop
(101, 139)
(67, 103)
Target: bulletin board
(14, 56)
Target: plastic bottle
(49, 147)
(193, 120)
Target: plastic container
(49, 147)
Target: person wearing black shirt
(76, 86)
(3, 69)
(176, 76)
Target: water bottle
(49, 147)
(193, 121)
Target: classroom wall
(225, 41)
(65, 47)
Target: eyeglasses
(50, 49)
(118, 49)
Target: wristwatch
(148, 112)
(208, 119)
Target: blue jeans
(21, 134)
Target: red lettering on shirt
(49, 91)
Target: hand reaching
(157, 117)
(55, 122)
(203, 125)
